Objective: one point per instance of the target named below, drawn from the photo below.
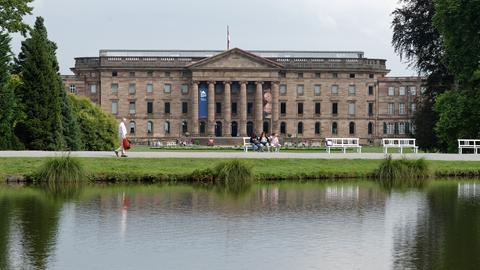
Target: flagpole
(228, 38)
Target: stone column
(211, 109)
(275, 108)
(194, 109)
(227, 110)
(259, 108)
(242, 127)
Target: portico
(220, 75)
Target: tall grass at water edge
(403, 172)
(62, 176)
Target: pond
(341, 225)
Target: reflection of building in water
(468, 190)
(341, 192)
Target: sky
(83, 27)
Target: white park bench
(344, 143)
(468, 144)
(171, 143)
(399, 143)
(247, 144)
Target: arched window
(370, 128)
(351, 128)
(202, 127)
(167, 127)
(266, 127)
(300, 128)
(149, 127)
(317, 128)
(184, 126)
(132, 128)
(283, 128)
(334, 128)
(249, 128)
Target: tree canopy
(11, 15)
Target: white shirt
(122, 130)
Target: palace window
(401, 91)
(149, 88)
(300, 128)
(370, 90)
(114, 73)
(317, 128)
(167, 107)
(132, 127)
(352, 75)
(114, 107)
(202, 127)
(132, 73)
(149, 107)
(351, 128)
(317, 108)
(149, 127)
(234, 108)
(334, 90)
(283, 89)
(184, 126)
(132, 88)
(184, 89)
(334, 108)
(167, 88)
(283, 108)
(351, 90)
(334, 128)
(150, 73)
(334, 75)
(370, 128)
(300, 90)
(283, 128)
(131, 107)
(370, 109)
(391, 91)
(413, 107)
(167, 127)
(401, 108)
(317, 90)
(371, 76)
(218, 107)
(93, 88)
(300, 75)
(351, 108)
(300, 108)
(114, 88)
(249, 108)
(413, 90)
(184, 107)
(391, 108)
(318, 75)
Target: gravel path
(213, 154)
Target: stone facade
(308, 95)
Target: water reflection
(28, 229)
(447, 232)
(273, 226)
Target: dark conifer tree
(8, 140)
(39, 93)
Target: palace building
(167, 94)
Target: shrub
(98, 128)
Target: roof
(209, 53)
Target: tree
(8, 104)
(11, 13)
(417, 41)
(458, 22)
(98, 128)
(40, 93)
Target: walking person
(122, 135)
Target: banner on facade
(202, 101)
(267, 103)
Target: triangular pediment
(236, 59)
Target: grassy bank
(264, 169)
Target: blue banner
(203, 101)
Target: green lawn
(263, 168)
